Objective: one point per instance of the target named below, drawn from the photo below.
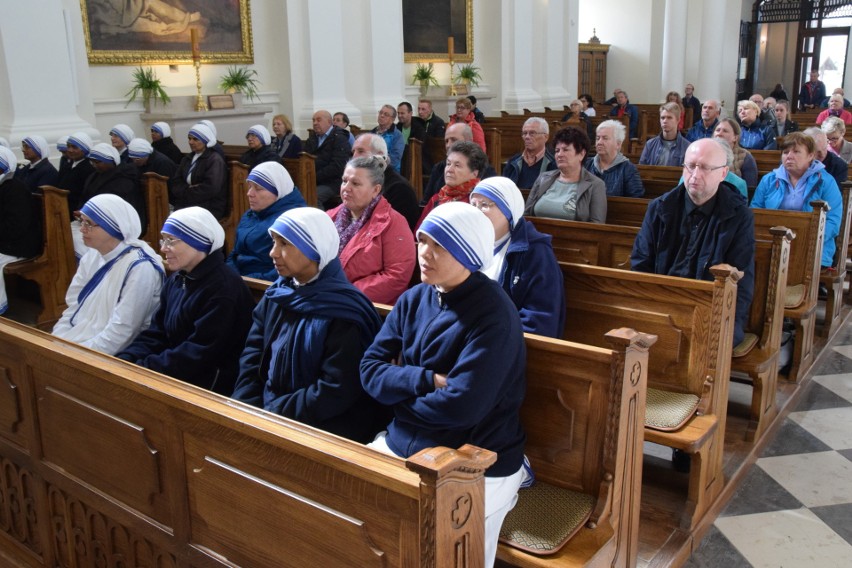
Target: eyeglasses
(692, 168)
(483, 206)
(169, 242)
(833, 138)
(525, 133)
(86, 224)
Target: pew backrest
(588, 243)
(304, 173)
(156, 189)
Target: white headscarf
(4, 143)
(203, 133)
(464, 231)
(197, 227)
(163, 128)
(503, 192)
(38, 144)
(104, 152)
(209, 124)
(120, 220)
(272, 177)
(82, 140)
(62, 144)
(124, 132)
(311, 231)
(139, 148)
(8, 163)
(261, 132)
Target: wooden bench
(694, 321)
(765, 325)
(237, 202)
(156, 189)
(659, 179)
(303, 171)
(412, 166)
(802, 274)
(588, 243)
(834, 277)
(54, 268)
(766, 160)
(108, 463)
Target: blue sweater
(698, 131)
(621, 178)
(473, 335)
(302, 354)
(532, 278)
(756, 136)
(250, 255)
(200, 328)
(815, 184)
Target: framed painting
(157, 32)
(427, 25)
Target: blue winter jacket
(396, 145)
(633, 113)
(730, 239)
(532, 278)
(250, 255)
(621, 178)
(473, 335)
(654, 147)
(697, 132)
(756, 136)
(815, 184)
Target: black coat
(208, 183)
(331, 156)
(73, 178)
(123, 181)
(251, 158)
(20, 220)
(160, 164)
(42, 174)
(167, 147)
(401, 196)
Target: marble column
(674, 47)
(518, 31)
(559, 81)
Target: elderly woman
(784, 126)
(450, 359)
(744, 164)
(161, 140)
(199, 330)
(754, 134)
(835, 108)
(201, 176)
(576, 113)
(588, 104)
(310, 330)
(799, 180)
(270, 193)
(20, 221)
(465, 162)
(376, 244)
(569, 192)
(617, 172)
(116, 288)
(285, 142)
(464, 114)
(258, 140)
(524, 263)
(835, 132)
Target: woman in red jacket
(464, 114)
(376, 245)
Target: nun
(20, 222)
(161, 140)
(116, 288)
(199, 330)
(201, 177)
(450, 359)
(524, 263)
(39, 171)
(120, 136)
(270, 193)
(74, 171)
(258, 140)
(310, 330)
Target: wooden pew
(757, 356)
(304, 173)
(834, 277)
(802, 274)
(237, 203)
(106, 463)
(694, 320)
(412, 166)
(589, 243)
(626, 211)
(583, 415)
(659, 179)
(54, 268)
(766, 160)
(494, 147)
(156, 189)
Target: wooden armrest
(690, 438)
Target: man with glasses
(392, 135)
(702, 222)
(525, 167)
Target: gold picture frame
(426, 25)
(157, 32)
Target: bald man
(331, 147)
(702, 222)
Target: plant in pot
(147, 84)
(468, 75)
(425, 76)
(240, 80)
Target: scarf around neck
(456, 192)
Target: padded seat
(794, 296)
(545, 518)
(669, 411)
(745, 346)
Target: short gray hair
(374, 166)
(833, 124)
(540, 123)
(729, 154)
(378, 146)
(618, 130)
(391, 109)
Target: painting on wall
(427, 25)
(157, 32)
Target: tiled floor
(794, 508)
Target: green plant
(425, 75)
(240, 80)
(470, 74)
(146, 83)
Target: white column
(386, 50)
(39, 92)
(517, 65)
(674, 47)
(559, 81)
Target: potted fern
(147, 84)
(469, 75)
(240, 80)
(425, 76)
